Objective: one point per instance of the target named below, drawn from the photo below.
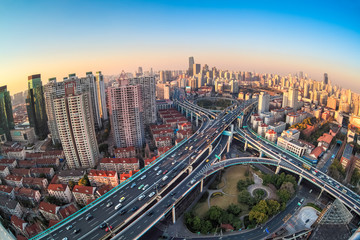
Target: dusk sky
(55, 38)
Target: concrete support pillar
(246, 145)
(210, 148)
(261, 153)
(197, 120)
(277, 169)
(190, 169)
(191, 116)
(228, 144)
(182, 110)
(201, 185)
(173, 215)
(299, 181)
(322, 189)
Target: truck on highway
(306, 166)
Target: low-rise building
(102, 190)
(7, 191)
(10, 163)
(149, 161)
(262, 128)
(317, 152)
(60, 191)
(83, 194)
(22, 172)
(14, 181)
(49, 211)
(102, 177)
(185, 126)
(184, 133)
(162, 150)
(24, 135)
(19, 224)
(120, 165)
(325, 140)
(68, 210)
(255, 124)
(271, 135)
(33, 229)
(35, 183)
(278, 127)
(38, 172)
(47, 162)
(11, 207)
(15, 153)
(291, 133)
(292, 145)
(28, 194)
(74, 175)
(347, 155)
(163, 133)
(4, 171)
(127, 152)
(27, 164)
(163, 141)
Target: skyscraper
(148, 94)
(293, 98)
(35, 106)
(264, 102)
(101, 95)
(306, 90)
(191, 65)
(6, 114)
(196, 68)
(75, 122)
(126, 115)
(326, 79)
(50, 94)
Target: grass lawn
(233, 175)
(201, 208)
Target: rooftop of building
(103, 189)
(120, 160)
(9, 203)
(102, 173)
(48, 207)
(326, 137)
(348, 151)
(13, 178)
(6, 188)
(84, 189)
(125, 150)
(71, 173)
(18, 222)
(68, 210)
(293, 141)
(57, 187)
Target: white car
(143, 177)
(151, 194)
(141, 197)
(145, 187)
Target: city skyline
(266, 38)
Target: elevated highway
(183, 167)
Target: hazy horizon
(61, 37)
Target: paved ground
(258, 185)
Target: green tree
(215, 214)
(84, 181)
(244, 197)
(234, 209)
(355, 178)
(71, 184)
(273, 207)
(206, 227)
(196, 224)
(283, 195)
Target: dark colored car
(88, 217)
(102, 226)
(150, 213)
(77, 230)
(134, 209)
(173, 193)
(122, 212)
